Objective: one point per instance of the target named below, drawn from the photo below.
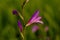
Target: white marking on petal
(40, 22)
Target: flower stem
(22, 36)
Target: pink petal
(39, 22)
(34, 16)
(37, 19)
(35, 28)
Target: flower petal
(37, 19)
(20, 25)
(34, 16)
(39, 22)
(35, 28)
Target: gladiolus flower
(35, 28)
(35, 19)
(20, 25)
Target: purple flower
(20, 25)
(35, 28)
(15, 12)
(35, 19)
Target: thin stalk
(22, 36)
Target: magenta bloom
(20, 25)
(35, 28)
(35, 19)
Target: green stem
(21, 16)
(22, 36)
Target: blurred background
(49, 11)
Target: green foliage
(49, 10)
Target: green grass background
(49, 10)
